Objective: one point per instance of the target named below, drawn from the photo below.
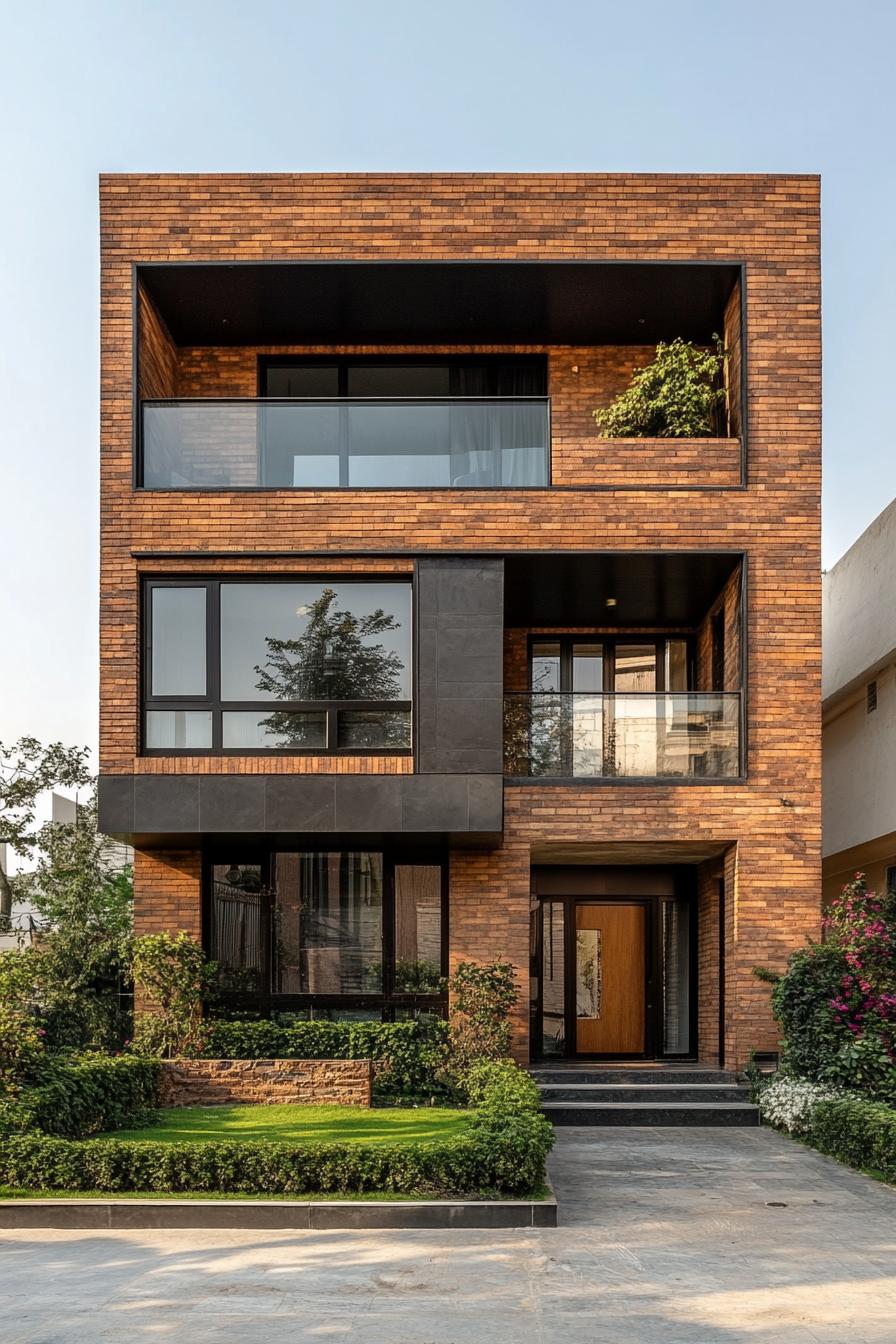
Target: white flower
(790, 1103)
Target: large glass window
(178, 647)
(353, 931)
(304, 665)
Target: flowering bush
(789, 1103)
(837, 999)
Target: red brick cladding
(771, 224)
(260, 1082)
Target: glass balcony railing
(266, 444)
(626, 736)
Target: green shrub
(861, 1133)
(22, 1039)
(677, 395)
(482, 997)
(500, 1085)
(502, 1153)
(83, 1096)
(175, 976)
(409, 1056)
(801, 1002)
(836, 1001)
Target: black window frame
(609, 644)
(388, 1000)
(212, 700)
(492, 363)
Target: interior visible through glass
(676, 977)
(418, 928)
(553, 994)
(327, 935)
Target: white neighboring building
(859, 710)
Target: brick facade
(768, 825)
(265, 1082)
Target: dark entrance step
(643, 1094)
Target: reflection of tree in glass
(333, 659)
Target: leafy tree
(79, 887)
(334, 658)
(676, 396)
(27, 770)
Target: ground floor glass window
(330, 932)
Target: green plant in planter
(483, 997)
(678, 395)
(175, 976)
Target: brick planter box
(223, 1082)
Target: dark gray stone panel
(300, 803)
(435, 803)
(166, 803)
(368, 803)
(232, 803)
(115, 804)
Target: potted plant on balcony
(680, 394)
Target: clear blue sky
(378, 85)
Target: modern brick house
(401, 663)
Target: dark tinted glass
(302, 380)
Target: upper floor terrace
(422, 375)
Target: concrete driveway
(669, 1236)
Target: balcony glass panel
(440, 442)
(634, 736)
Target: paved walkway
(675, 1236)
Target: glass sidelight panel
(418, 928)
(676, 936)
(236, 926)
(553, 964)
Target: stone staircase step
(647, 1076)
(631, 1093)
(659, 1114)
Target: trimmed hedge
(409, 1057)
(503, 1153)
(84, 1095)
(860, 1133)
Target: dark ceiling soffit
(440, 302)
(671, 590)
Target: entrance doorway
(612, 977)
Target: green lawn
(299, 1124)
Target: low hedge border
(502, 1153)
(408, 1057)
(860, 1133)
(84, 1095)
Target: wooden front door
(608, 977)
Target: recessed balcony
(424, 375)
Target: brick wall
(224, 1082)
(771, 223)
